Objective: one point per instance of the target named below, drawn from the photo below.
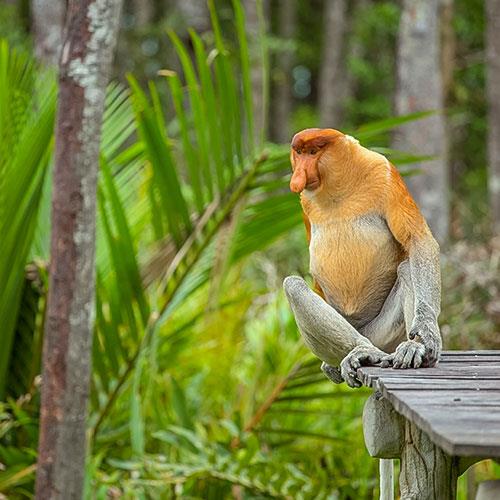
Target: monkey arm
(409, 227)
(426, 280)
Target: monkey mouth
(313, 184)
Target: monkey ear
(352, 139)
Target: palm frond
(27, 111)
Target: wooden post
(386, 470)
(427, 472)
(383, 430)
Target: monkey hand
(408, 354)
(422, 349)
(426, 331)
(359, 356)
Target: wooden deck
(457, 404)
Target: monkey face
(306, 149)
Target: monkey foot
(332, 372)
(359, 356)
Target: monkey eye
(299, 151)
(313, 151)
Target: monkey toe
(358, 357)
(387, 361)
(332, 372)
(348, 371)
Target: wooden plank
(453, 398)
(482, 352)
(426, 384)
(461, 431)
(490, 371)
(476, 360)
(456, 403)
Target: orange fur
(307, 225)
(360, 220)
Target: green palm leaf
(27, 113)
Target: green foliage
(11, 25)
(27, 109)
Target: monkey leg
(388, 330)
(328, 334)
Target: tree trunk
(493, 94)
(448, 46)
(91, 31)
(332, 79)
(256, 14)
(195, 14)
(47, 24)
(283, 83)
(355, 50)
(420, 88)
(144, 11)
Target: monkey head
(309, 150)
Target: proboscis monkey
(372, 257)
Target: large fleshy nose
(298, 181)
(305, 173)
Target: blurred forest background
(201, 387)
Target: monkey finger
(430, 359)
(350, 378)
(408, 358)
(355, 363)
(418, 359)
(399, 356)
(387, 361)
(352, 381)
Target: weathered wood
(427, 472)
(386, 471)
(451, 419)
(456, 403)
(449, 371)
(383, 428)
(478, 353)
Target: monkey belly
(355, 263)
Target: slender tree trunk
(144, 11)
(493, 93)
(91, 31)
(355, 49)
(332, 79)
(448, 46)
(47, 24)
(195, 14)
(257, 14)
(420, 88)
(448, 49)
(283, 84)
